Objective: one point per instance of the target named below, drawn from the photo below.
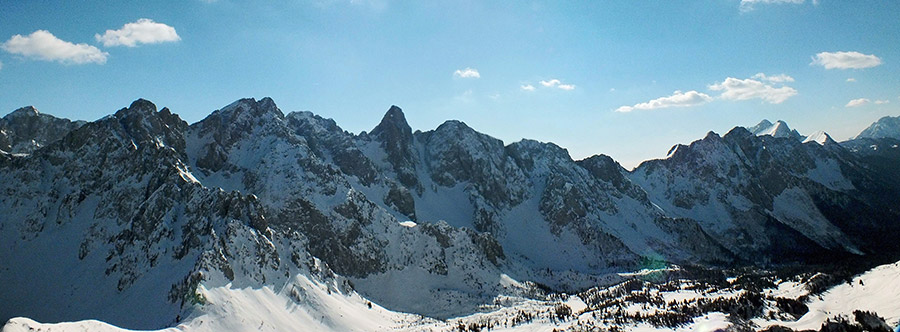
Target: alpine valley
(252, 219)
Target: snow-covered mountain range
(142, 220)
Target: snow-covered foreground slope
(877, 290)
(678, 305)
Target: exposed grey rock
(25, 130)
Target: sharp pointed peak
(820, 137)
(778, 129)
(394, 115)
(394, 121)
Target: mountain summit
(777, 129)
(26, 130)
(396, 139)
(886, 127)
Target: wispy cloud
(738, 89)
(1, 64)
(677, 99)
(865, 101)
(845, 60)
(466, 97)
(781, 78)
(556, 83)
(467, 73)
(143, 31)
(527, 87)
(748, 5)
(43, 45)
(851, 80)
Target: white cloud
(851, 79)
(555, 83)
(747, 5)
(43, 45)
(528, 87)
(782, 78)
(144, 31)
(857, 102)
(738, 89)
(845, 60)
(865, 101)
(467, 73)
(550, 83)
(677, 99)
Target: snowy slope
(309, 305)
(819, 137)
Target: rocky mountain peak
(393, 127)
(886, 127)
(26, 130)
(738, 133)
(820, 137)
(241, 119)
(778, 129)
(249, 107)
(145, 126)
(24, 111)
(605, 168)
(396, 140)
(765, 123)
(539, 150)
(142, 105)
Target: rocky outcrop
(25, 130)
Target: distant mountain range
(128, 218)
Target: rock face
(25, 130)
(141, 203)
(111, 216)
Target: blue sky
(624, 78)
